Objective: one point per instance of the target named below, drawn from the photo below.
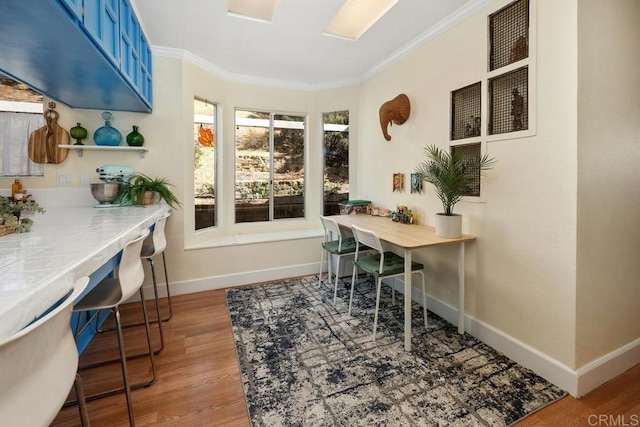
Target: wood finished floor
(199, 380)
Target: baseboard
(607, 367)
(229, 280)
(576, 383)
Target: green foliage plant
(450, 174)
(133, 191)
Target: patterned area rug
(304, 362)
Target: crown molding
(441, 27)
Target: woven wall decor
(395, 111)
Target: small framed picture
(416, 183)
(398, 181)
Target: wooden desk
(409, 237)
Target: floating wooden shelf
(80, 148)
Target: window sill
(253, 238)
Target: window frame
(305, 150)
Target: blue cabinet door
(129, 44)
(145, 70)
(101, 20)
(75, 7)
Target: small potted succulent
(144, 190)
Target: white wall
(608, 286)
(521, 270)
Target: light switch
(64, 179)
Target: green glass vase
(135, 138)
(78, 133)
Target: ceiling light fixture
(355, 17)
(258, 10)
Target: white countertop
(38, 268)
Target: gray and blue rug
(305, 362)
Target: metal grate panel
(509, 102)
(509, 34)
(470, 155)
(465, 112)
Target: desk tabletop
(39, 267)
(407, 236)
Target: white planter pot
(449, 225)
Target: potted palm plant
(451, 176)
(144, 190)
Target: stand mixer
(112, 176)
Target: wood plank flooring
(199, 380)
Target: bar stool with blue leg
(109, 294)
(38, 366)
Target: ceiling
(291, 50)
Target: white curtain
(15, 129)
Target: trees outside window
(269, 182)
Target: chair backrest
(331, 227)
(130, 269)
(370, 239)
(38, 365)
(157, 238)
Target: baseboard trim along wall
(575, 382)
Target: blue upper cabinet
(101, 20)
(83, 53)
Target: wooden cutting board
(56, 135)
(38, 145)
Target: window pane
(288, 171)
(253, 166)
(336, 160)
(204, 140)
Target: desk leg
(407, 299)
(461, 288)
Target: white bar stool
(38, 367)
(109, 294)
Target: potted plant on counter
(450, 175)
(144, 190)
(11, 212)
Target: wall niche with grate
(465, 112)
(509, 34)
(509, 102)
(470, 156)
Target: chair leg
(148, 331)
(375, 316)
(353, 282)
(393, 290)
(166, 278)
(321, 264)
(82, 402)
(424, 298)
(125, 373)
(335, 287)
(157, 301)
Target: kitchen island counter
(38, 268)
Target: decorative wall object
(398, 181)
(509, 34)
(470, 155)
(465, 112)
(509, 102)
(416, 183)
(395, 111)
